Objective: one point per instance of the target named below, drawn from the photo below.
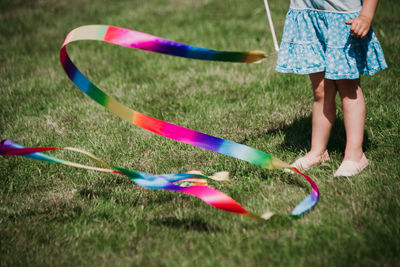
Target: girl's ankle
(353, 155)
(315, 153)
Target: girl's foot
(349, 168)
(307, 162)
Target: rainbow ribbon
(139, 40)
(188, 183)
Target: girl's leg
(324, 112)
(354, 117)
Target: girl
(333, 42)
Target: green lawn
(57, 215)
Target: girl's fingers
(349, 22)
(364, 33)
(353, 28)
(357, 29)
(354, 23)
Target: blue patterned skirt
(315, 41)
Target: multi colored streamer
(139, 40)
(196, 184)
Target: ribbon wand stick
(271, 25)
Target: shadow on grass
(62, 212)
(276, 222)
(193, 224)
(298, 136)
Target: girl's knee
(325, 90)
(322, 88)
(319, 93)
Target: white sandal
(350, 168)
(304, 163)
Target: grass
(56, 215)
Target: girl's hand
(359, 26)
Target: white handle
(271, 25)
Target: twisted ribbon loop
(192, 184)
